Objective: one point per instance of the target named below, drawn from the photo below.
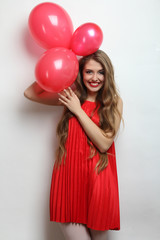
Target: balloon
(56, 69)
(50, 25)
(86, 39)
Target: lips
(94, 84)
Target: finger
(70, 90)
(62, 93)
(63, 97)
(67, 93)
(62, 101)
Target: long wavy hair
(107, 97)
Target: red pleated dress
(77, 193)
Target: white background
(132, 41)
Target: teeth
(94, 83)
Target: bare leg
(75, 231)
(98, 235)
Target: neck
(91, 97)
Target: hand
(70, 100)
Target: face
(93, 76)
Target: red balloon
(50, 25)
(86, 39)
(56, 69)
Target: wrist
(79, 113)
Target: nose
(95, 77)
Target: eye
(88, 71)
(101, 72)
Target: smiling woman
(85, 173)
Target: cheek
(85, 82)
(86, 77)
(102, 85)
(101, 77)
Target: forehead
(92, 64)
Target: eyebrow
(102, 69)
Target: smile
(94, 84)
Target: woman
(84, 186)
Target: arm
(96, 134)
(35, 93)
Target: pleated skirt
(77, 193)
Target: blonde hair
(107, 97)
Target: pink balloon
(56, 69)
(86, 39)
(50, 25)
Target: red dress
(77, 193)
